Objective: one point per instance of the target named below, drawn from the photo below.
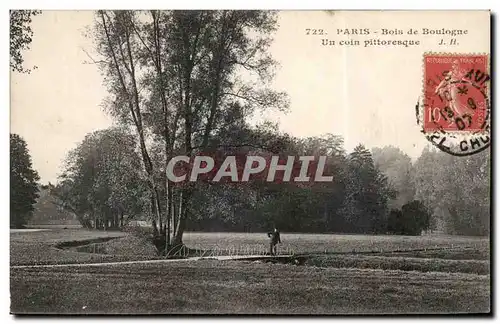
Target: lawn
(28, 248)
(357, 274)
(224, 287)
(41, 247)
(292, 243)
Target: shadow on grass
(81, 243)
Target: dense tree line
(48, 212)
(102, 181)
(105, 185)
(23, 182)
(456, 190)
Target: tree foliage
(23, 182)
(20, 37)
(367, 193)
(176, 77)
(47, 211)
(456, 190)
(398, 168)
(102, 182)
(355, 201)
(411, 219)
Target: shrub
(412, 219)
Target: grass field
(357, 275)
(327, 243)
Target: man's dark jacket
(275, 237)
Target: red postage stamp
(455, 93)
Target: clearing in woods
(337, 274)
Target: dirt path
(27, 230)
(100, 264)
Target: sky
(367, 95)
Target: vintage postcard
(250, 162)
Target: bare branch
(91, 58)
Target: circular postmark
(454, 110)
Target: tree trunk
(181, 226)
(133, 101)
(155, 207)
(158, 207)
(167, 213)
(184, 198)
(181, 222)
(173, 210)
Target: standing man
(275, 239)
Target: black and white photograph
(250, 162)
